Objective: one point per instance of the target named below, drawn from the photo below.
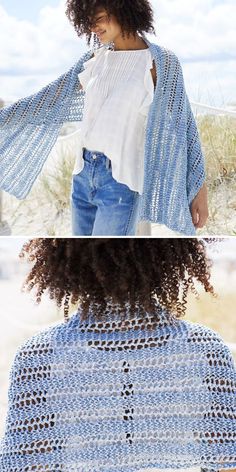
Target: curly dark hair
(128, 271)
(133, 16)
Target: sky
(38, 44)
(25, 9)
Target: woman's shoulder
(94, 53)
(164, 49)
(197, 331)
(41, 343)
(191, 333)
(204, 337)
(168, 58)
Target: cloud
(36, 53)
(197, 29)
(200, 32)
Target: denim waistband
(92, 156)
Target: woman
(125, 384)
(140, 155)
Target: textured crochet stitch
(174, 167)
(112, 396)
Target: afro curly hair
(133, 16)
(133, 271)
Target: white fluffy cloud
(33, 54)
(197, 29)
(200, 32)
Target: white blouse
(118, 89)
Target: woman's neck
(123, 318)
(129, 45)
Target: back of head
(129, 273)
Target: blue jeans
(100, 205)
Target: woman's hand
(199, 208)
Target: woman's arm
(199, 208)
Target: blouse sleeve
(86, 74)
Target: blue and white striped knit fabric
(174, 167)
(107, 396)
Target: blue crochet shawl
(174, 168)
(89, 396)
